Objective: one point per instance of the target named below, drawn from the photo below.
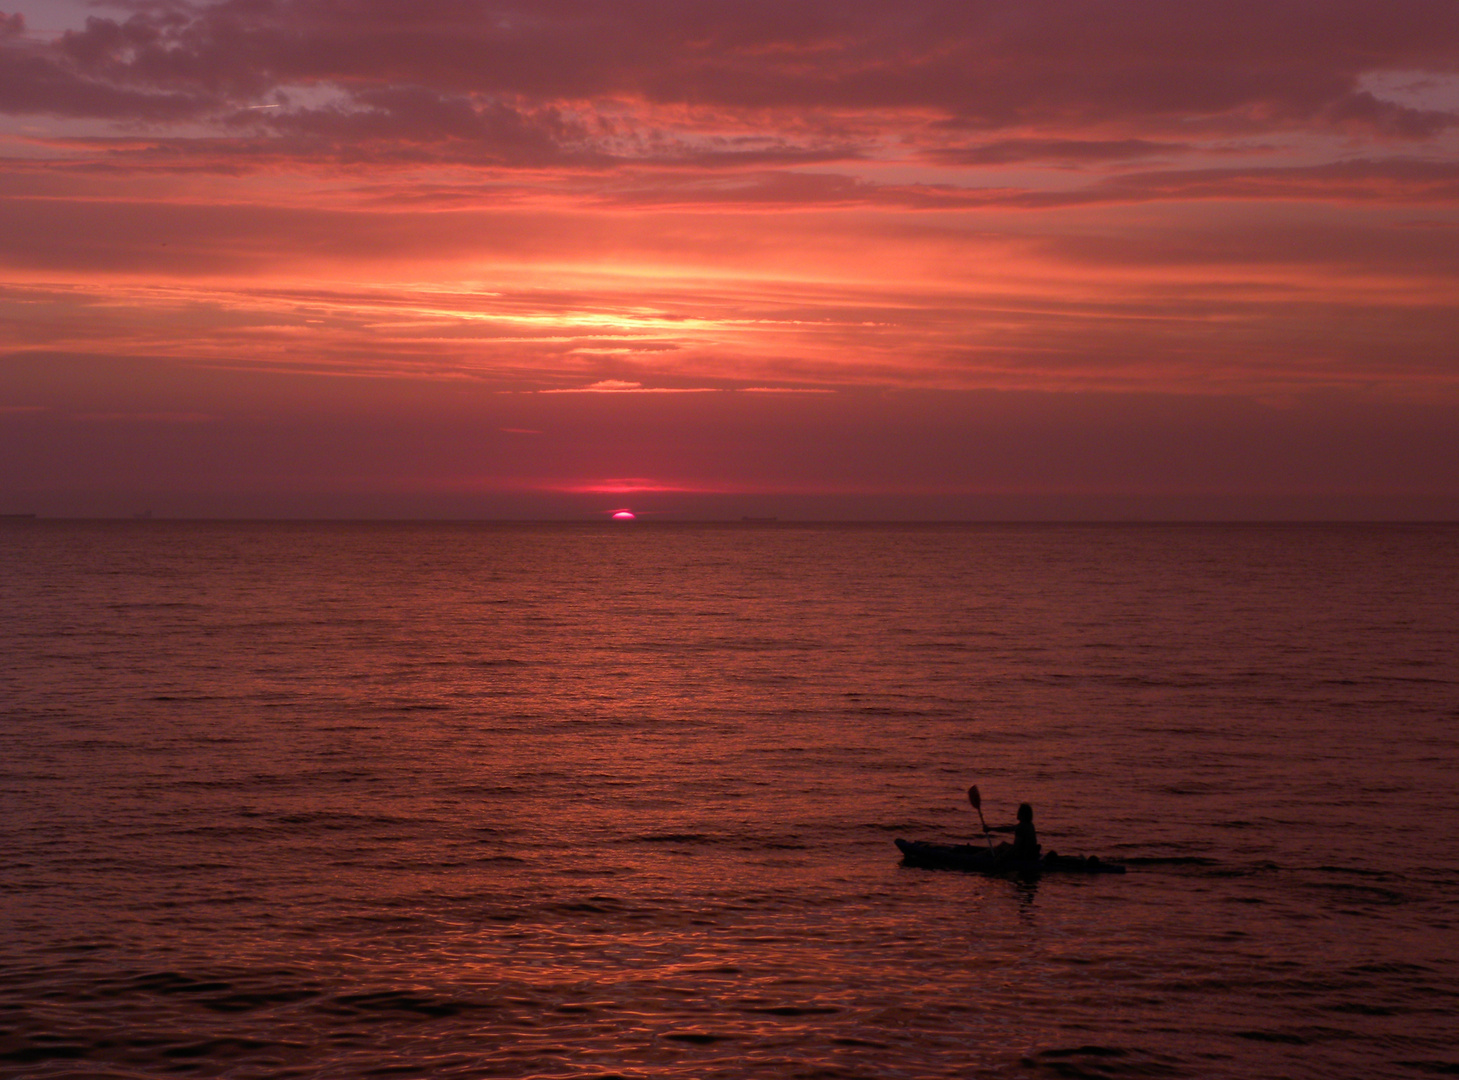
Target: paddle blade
(975, 798)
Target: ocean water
(481, 800)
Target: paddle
(977, 801)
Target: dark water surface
(584, 801)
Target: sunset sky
(697, 258)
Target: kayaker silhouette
(1025, 846)
(1025, 840)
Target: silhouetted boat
(979, 860)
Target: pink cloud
(485, 72)
(619, 386)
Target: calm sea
(465, 800)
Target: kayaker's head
(1025, 812)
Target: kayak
(979, 860)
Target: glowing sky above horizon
(930, 258)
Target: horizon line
(750, 520)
